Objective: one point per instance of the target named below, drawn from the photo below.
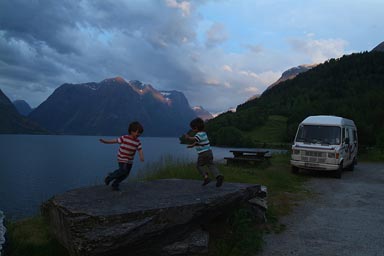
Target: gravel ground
(345, 217)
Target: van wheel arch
(294, 169)
(352, 166)
(337, 173)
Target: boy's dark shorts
(205, 158)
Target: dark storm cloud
(39, 22)
(52, 42)
(44, 44)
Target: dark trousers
(206, 159)
(120, 174)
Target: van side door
(351, 146)
(354, 143)
(346, 143)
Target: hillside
(22, 107)
(202, 113)
(12, 122)
(292, 73)
(352, 87)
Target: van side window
(347, 135)
(354, 136)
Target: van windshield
(320, 134)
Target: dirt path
(345, 218)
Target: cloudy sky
(217, 52)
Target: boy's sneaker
(206, 181)
(107, 180)
(219, 180)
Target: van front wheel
(294, 169)
(337, 173)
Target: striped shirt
(202, 142)
(127, 149)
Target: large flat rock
(141, 219)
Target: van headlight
(333, 155)
(295, 152)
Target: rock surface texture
(162, 217)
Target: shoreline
(2, 232)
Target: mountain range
(292, 73)
(22, 107)
(107, 108)
(202, 113)
(12, 122)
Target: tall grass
(31, 237)
(169, 167)
(242, 235)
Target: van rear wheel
(352, 166)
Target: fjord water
(33, 168)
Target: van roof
(328, 120)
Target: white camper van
(326, 143)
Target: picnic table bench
(248, 156)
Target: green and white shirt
(202, 142)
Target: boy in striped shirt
(129, 144)
(203, 148)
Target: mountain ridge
(12, 122)
(202, 113)
(22, 107)
(292, 73)
(379, 47)
(107, 107)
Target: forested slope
(352, 87)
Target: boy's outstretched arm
(192, 145)
(141, 155)
(189, 137)
(113, 141)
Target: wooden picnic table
(253, 153)
(248, 156)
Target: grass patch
(239, 235)
(371, 155)
(31, 237)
